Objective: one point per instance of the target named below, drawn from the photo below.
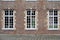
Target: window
(53, 19)
(53, 0)
(31, 19)
(8, 19)
(8, 0)
(31, 0)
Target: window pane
(55, 20)
(50, 26)
(6, 12)
(28, 12)
(33, 21)
(51, 12)
(11, 12)
(6, 25)
(28, 19)
(33, 12)
(11, 19)
(28, 26)
(55, 26)
(50, 20)
(6, 22)
(11, 22)
(55, 12)
(28, 22)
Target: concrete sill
(53, 29)
(8, 28)
(31, 29)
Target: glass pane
(50, 26)
(28, 12)
(11, 22)
(11, 12)
(55, 20)
(11, 26)
(33, 12)
(28, 22)
(55, 12)
(33, 21)
(6, 25)
(28, 25)
(11, 19)
(50, 12)
(6, 22)
(6, 12)
(28, 19)
(55, 26)
(50, 20)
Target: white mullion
(13, 18)
(53, 18)
(35, 19)
(4, 19)
(26, 19)
(58, 20)
(8, 18)
(31, 18)
(48, 20)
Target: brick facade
(20, 6)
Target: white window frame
(3, 20)
(31, 0)
(8, 0)
(53, 23)
(36, 15)
(53, 0)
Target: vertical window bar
(53, 19)
(31, 18)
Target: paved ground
(28, 37)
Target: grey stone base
(28, 37)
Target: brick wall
(20, 6)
